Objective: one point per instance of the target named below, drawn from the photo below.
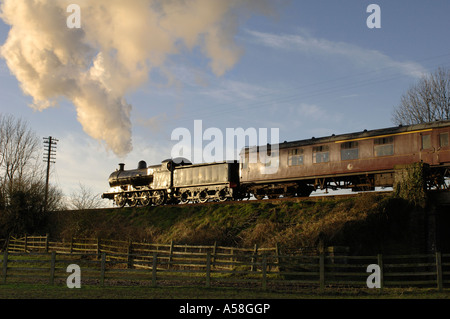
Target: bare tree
(426, 101)
(19, 148)
(22, 179)
(85, 199)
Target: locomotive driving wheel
(133, 200)
(159, 198)
(145, 198)
(120, 200)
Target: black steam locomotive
(174, 181)
(358, 161)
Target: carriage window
(443, 139)
(349, 151)
(295, 157)
(321, 154)
(426, 142)
(384, 146)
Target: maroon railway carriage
(359, 161)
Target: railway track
(316, 198)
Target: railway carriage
(359, 161)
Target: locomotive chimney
(121, 166)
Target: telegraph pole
(49, 157)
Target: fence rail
(121, 262)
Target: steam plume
(118, 45)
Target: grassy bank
(369, 223)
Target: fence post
(264, 272)
(277, 254)
(52, 268)
(439, 270)
(380, 264)
(25, 244)
(46, 243)
(7, 242)
(214, 253)
(98, 247)
(5, 265)
(208, 270)
(129, 257)
(154, 268)
(233, 266)
(170, 254)
(322, 271)
(103, 269)
(255, 252)
(71, 245)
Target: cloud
(310, 45)
(311, 111)
(153, 123)
(237, 92)
(119, 45)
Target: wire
(224, 108)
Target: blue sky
(312, 68)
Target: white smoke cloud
(118, 45)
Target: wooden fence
(113, 262)
(137, 254)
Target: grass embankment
(369, 223)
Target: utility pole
(49, 157)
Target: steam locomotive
(358, 161)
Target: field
(223, 302)
(40, 291)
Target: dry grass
(366, 220)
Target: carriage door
(443, 150)
(427, 150)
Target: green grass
(40, 291)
